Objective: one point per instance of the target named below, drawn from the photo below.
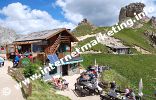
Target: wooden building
(49, 42)
(119, 49)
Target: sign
(25, 61)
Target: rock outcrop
(153, 22)
(152, 37)
(7, 36)
(86, 22)
(129, 10)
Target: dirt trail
(7, 83)
(142, 51)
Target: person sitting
(130, 94)
(113, 85)
(112, 93)
(65, 83)
(30, 57)
(16, 61)
(89, 68)
(91, 75)
(83, 78)
(59, 84)
(97, 86)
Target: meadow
(130, 67)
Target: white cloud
(25, 20)
(99, 12)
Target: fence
(19, 77)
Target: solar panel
(53, 58)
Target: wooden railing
(19, 77)
(55, 46)
(52, 49)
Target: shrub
(31, 68)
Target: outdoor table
(118, 96)
(89, 85)
(121, 97)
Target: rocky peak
(7, 36)
(153, 22)
(85, 22)
(129, 10)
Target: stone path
(7, 83)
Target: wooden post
(7, 52)
(31, 48)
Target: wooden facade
(57, 41)
(53, 43)
(119, 49)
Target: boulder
(129, 10)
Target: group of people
(128, 93)
(60, 83)
(90, 78)
(89, 75)
(16, 58)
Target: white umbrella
(140, 88)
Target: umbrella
(140, 88)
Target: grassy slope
(85, 29)
(132, 67)
(43, 91)
(129, 36)
(98, 47)
(82, 30)
(112, 75)
(136, 37)
(133, 37)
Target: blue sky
(26, 16)
(46, 5)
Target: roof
(40, 35)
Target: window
(54, 71)
(37, 48)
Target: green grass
(98, 47)
(136, 37)
(85, 29)
(82, 30)
(129, 36)
(43, 91)
(132, 67)
(112, 75)
(101, 29)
